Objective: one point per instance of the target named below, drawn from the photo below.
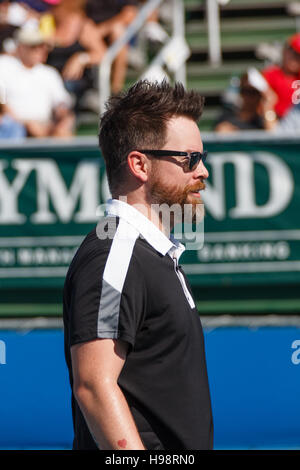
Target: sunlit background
(60, 60)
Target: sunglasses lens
(195, 159)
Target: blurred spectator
(256, 106)
(42, 9)
(281, 77)
(76, 46)
(39, 6)
(9, 127)
(10, 19)
(16, 14)
(112, 18)
(291, 121)
(35, 94)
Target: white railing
(214, 32)
(174, 53)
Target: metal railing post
(114, 49)
(179, 31)
(214, 32)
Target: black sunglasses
(194, 157)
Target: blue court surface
(254, 376)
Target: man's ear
(139, 165)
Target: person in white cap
(35, 93)
(254, 110)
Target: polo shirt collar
(155, 237)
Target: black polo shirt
(125, 282)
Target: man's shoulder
(93, 249)
(47, 71)
(100, 238)
(10, 62)
(129, 247)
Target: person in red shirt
(282, 77)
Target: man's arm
(96, 367)
(64, 122)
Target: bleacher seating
(245, 24)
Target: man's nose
(201, 171)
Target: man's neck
(25, 63)
(27, 66)
(149, 211)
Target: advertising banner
(50, 192)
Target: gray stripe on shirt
(114, 276)
(108, 315)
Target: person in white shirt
(34, 92)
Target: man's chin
(192, 212)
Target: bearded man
(133, 337)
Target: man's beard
(191, 207)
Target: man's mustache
(193, 189)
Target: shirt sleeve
(99, 310)
(6, 69)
